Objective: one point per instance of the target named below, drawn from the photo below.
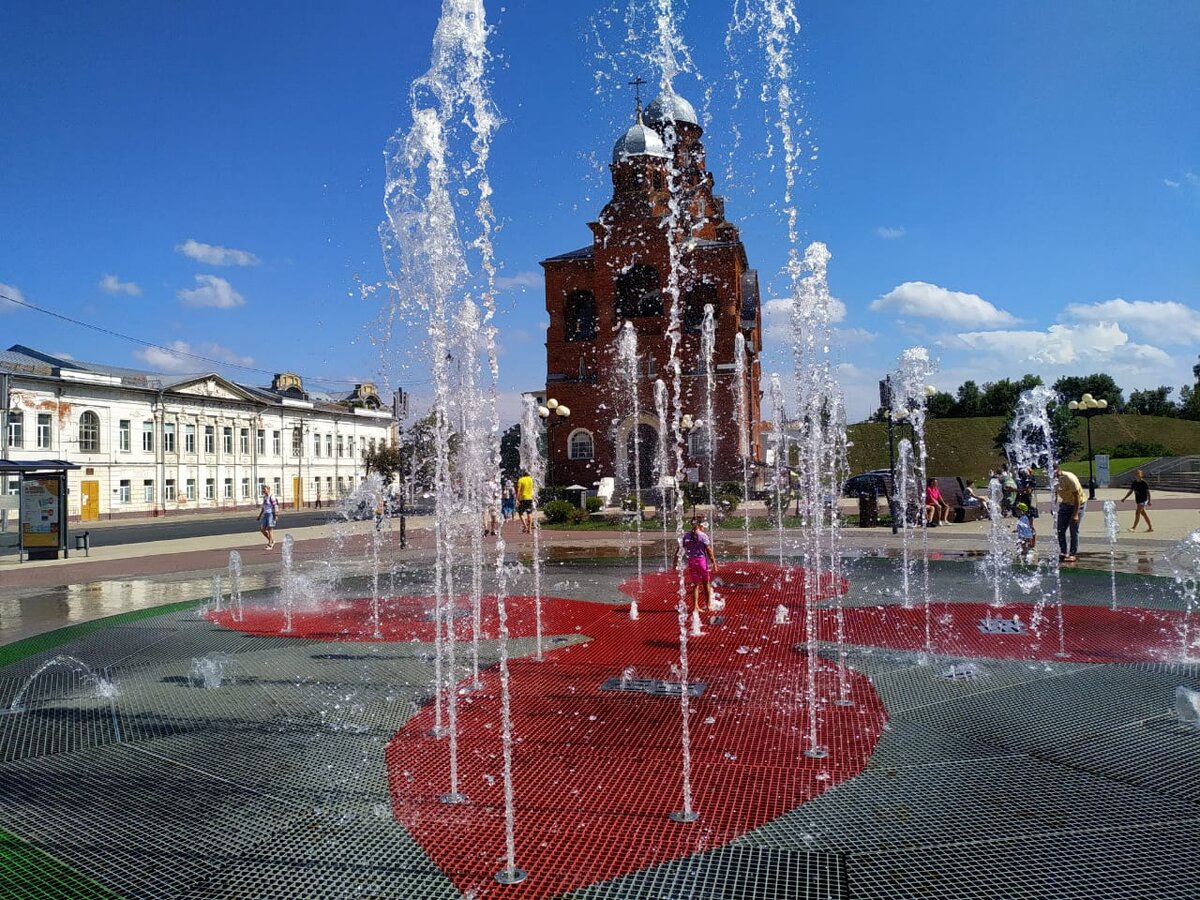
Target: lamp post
(1088, 406)
(552, 414)
(687, 425)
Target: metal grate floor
(307, 773)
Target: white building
(150, 444)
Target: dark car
(877, 482)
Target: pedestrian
(1009, 485)
(268, 514)
(380, 511)
(1025, 486)
(937, 510)
(508, 506)
(525, 502)
(701, 563)
(1071, 503)
(1026, 533)
(1141, 496)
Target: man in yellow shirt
(1071, 501)
(525, 502)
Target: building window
(210, 439)
(329, 445)
(277, 490)
(276, 444)
(580, 317)
(125, 491)
(579, 444)
(148, 437)
(89, 433)
(189, 439)
(168, 437)
(698, 441)
(341, 447)
(297, 441)
(45, 434)
(227, 489)
(227, 440)
(316, 445)
(694, 302)
(260, 442)
(210, 488)
(638, 293)
(244, 441)
(261, 482)
(350, 446)
(169, 489)
(245, 488)
(148, 490)
(191, 489)
(16, 429)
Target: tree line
(999, 398)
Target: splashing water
(741, 406)
(235, 584)
(1184, 560)
(1112, 527)
(661, 466)
(102, 684)
(288, 582)
(627, 350)
(532, 462)
(209, 671)
(781, 474)
(909, 400)
(218, 599)
(904, 494)
(708, 343)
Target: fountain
(1112, 527)
(741, 406)
(1184, 560)
(628, 354)
(235, 584)
(287, 583)
(209, 671)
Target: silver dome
(665, 105)
(639, 140)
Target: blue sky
(1015, 185)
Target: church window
(579, 444)
(89, 433)
(694, 302)
(638, 293)
(580, 315)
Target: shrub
(558, 512)
(594, 504)
(727, 502)
(632, 504)
(1136, 448)
(578, 515)
(733, 488)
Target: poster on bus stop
(40, 509)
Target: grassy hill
(967, 446)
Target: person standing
(268, 515)
(508, 506)
(1141, 496)
(1071, 502)
(1026, 533)
(701, 563)
(525, 502)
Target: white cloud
(1169, 183)
(111, 284)
(215, 255)
(14, 293)
(1165, 321)
(212, 291)
(520, 280)
(176, 358)
(920, 298)
(1102, 343)
(888, 233)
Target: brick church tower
(624, 275)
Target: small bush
(632, 504)
(578, 515)
(558, 512)
(728, 502)
(594, 504)
(731, 488)
(1136, 448)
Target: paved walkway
(32, 593)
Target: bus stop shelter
(39, 505)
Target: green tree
(386, 459)
(970, 400)
(1000, 397)
(1063, 425)
(418, 452)
(1152, 402)
(941, 406)
(1189, 397)
(1099, 385)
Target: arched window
(580, 315)
(89, 433)
(698, 442)
(579, 444)
(693, 306)
(638, 293)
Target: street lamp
(552, 413)
(1088, 406)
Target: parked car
(877, 481)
